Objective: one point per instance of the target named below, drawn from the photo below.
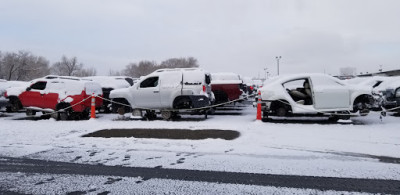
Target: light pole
(277, 62)
(265, 71)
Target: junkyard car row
(170, 91)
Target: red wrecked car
(226, 87)
(68, 95)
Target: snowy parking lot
(363, 148)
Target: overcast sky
(241, 36)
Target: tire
(280, 108)
(264, 117)
(63, 115)
(334, 118)
(166, 115)
(30, 112)
(15, 105)
(281, 111)
(150, 115)
(45, 115)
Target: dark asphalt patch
(167, 134)
(383, 186)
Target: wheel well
(182, 102)
(279, 103)
(14, 100)
(220, 96)
(62, 105)
(363, 99)
(115, 106)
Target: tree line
(146, 67)
(25, 66)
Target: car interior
(300, 91)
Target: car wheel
(30, 112)
(150, 115)
(281, 111)
(166, 115)
(63, 116)
(45, 115)
(334, 118)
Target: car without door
(226, 87)
(377, 85)
(313, 95)
(391, 100)
(166, 91)
(109, 83)
(13, 104)
(69, 96)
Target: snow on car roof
(110, 81)
(225, 78)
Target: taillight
(204, 88)
(5, 94)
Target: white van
(167, 90)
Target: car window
(149, 82)
(41, 85)
(129, 80)
(377, 84)
(294, 84)
(208, 79)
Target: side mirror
(28, 88)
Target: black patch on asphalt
(167, 134)
(21, 165)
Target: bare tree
(114, 73)
(86, 72)
(145, 67)
(66, 67)
(140, 69)
(189, 62)
(22, 66)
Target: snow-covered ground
(367, 147)
(316, 149)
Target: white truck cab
(165, 90)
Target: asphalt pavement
(24, 165)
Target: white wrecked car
(166, 90)
(392, 97)
(109, 83)
(313, 95)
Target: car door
(148, 93)
(33, 96)
(329, 93)
(170, 87)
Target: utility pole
(277, 62)
(266, 73)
